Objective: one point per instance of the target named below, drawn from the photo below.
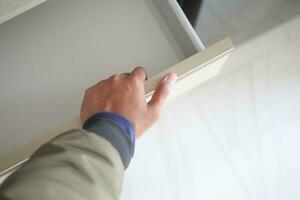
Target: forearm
(75, 165)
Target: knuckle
(114, 77)
(140, 69)
(135, 80)
(125, 74)
(142, 72)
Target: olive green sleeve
(75, 165)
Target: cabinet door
(11, 8)
(191, 72)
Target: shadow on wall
(214, 20)
(191, 9)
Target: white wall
(235, 137)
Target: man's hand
(125, 95)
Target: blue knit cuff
(116, 129)
(122, 121)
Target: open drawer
(53, 52)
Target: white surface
(235, 137)
(12, 8)
(51, 54)
(242, 20)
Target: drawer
(53, 52)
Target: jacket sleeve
(79, 164)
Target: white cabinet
(51, 55)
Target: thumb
(162, 91)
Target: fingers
(125, 74)
(139, 73)
(161, 92)
(117, 76)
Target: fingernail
(170, 81)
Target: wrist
(116, 129)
